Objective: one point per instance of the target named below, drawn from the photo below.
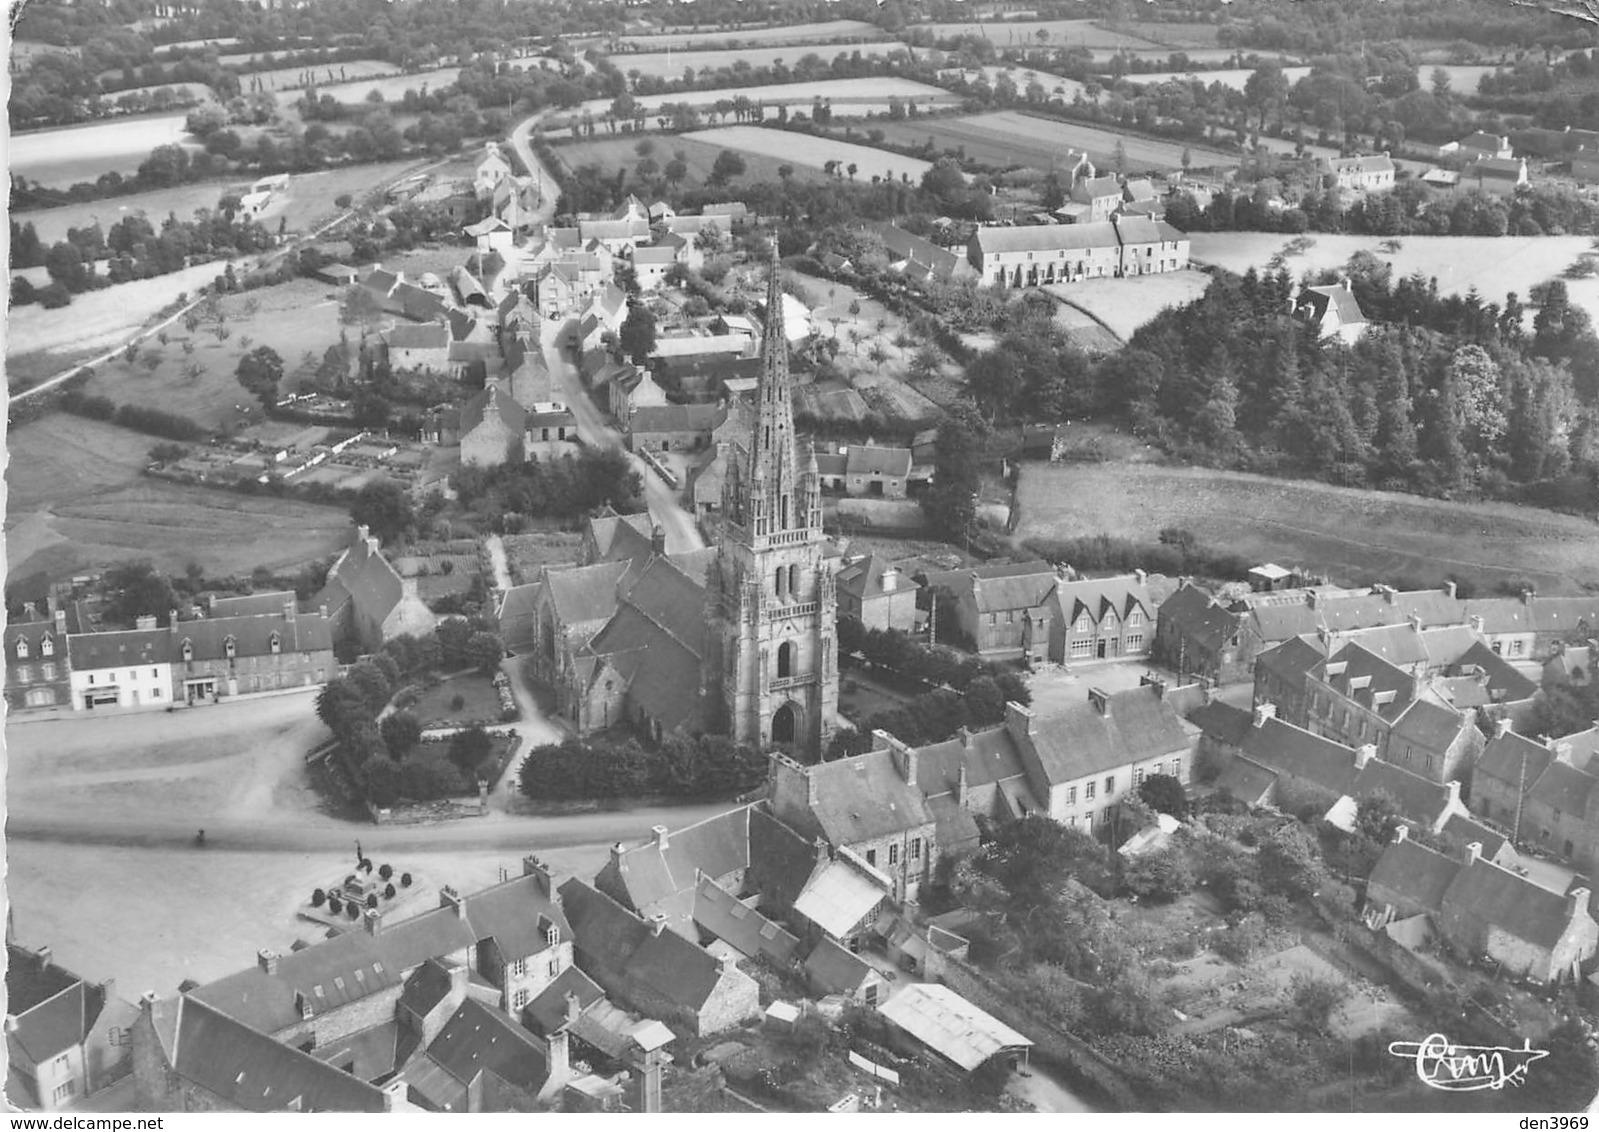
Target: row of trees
(702, 766)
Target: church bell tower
(771, 657)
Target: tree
(1160, 875)
(637, 336)
(137, 589)
(259, 371)
(380, 781)
(1119, 158)
(360, 306)
(385, 508)
(1266, 89)
(486, 650)
(1165, 794)
(951, 504)
(1290, 863)
(22, 291)
(401, 733)
(728, 164)
(469, 748)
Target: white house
(131, 668)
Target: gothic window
(779, 576)
(785, 659)
(47, 647)
(22, 648)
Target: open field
(293, 319)
(1234, 79)
(184, 200)
(1126, 304)
(285, 78)
(830, 31)
(1182, 37)
(77, 500)
(1493, 265)
(1008, 138)
(59, 158)
(1057, 33)
(672, 64)
(1357, 536)
(198, 91)
(800, 149)
(102, 318)
(392, 87)
(24, 50)
(618, 152)
(848, 96)
(1086, 331)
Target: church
(738, 639)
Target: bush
(366, 865)
(335, 905)
(405, 880)
(457, 702)
(318, 898)
(386, 871)
(352, 910)
(388, 892)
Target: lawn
(77, 500)
(672, 64)
(293, 319)
(829, 31)
(1008, 138)
(1358, 536)
(480, 702)
(802, 149)
(1124, 305)
(59, 158)
(1493, 265)
(848, 96)
(1084, 330)
(700, 156)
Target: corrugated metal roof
(950, 1025)
(838, 898)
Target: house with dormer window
(1102, 618)
(213, 657)
(37, 665)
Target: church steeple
(777, 501)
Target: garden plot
(1008, 138)
(59, 158)
(870, 354)
(672, 64)
(1085, 330)
(829, 31)
(802, 149)
(527, 555)
(848, 96)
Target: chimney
(1149, 680)
(960, 787)
(657, 922)
(147, 1002)
(533, 867)
(1473, 852)
(890, 580)
(1415, 622)
(1310, 598)
(1019, 718)
(904, 756)
(372, 920)
(268, 960)
(1263, 712)
(395, 1093)
(662, 837)
(1501, 728)
(289, 609)
(43, 955)
(1478, 625)
(1562, 752)
(574, 1007)
(302, 1005)
(1345, 282)
(1453, 805)
(823, 853)
(1099, 699)
(61, 620)
(450, 898)
(1401, 832)
(1452, 590)
(1364, 754)
(618, 857)
(1527, 595)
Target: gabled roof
(1336, 298)
(1370, 163)
(426, 987)
(1564, 788)
(1137, 230)
(1283, 748)
(584, 594)
(1514, 759)
(54, 1009)
(782, 861)
(208, 637)
(478, 1039)
(949, 1025)
(1200, 616)
(1093, 188)
(862, 798)
(840, 896)
(621, 536)
(1429, 725)
(1364, 678)
(670, 966)
(1047, 237)
(1135, 725)
(1025, 585)
(1497, 169)
(249, 605)
(363, 575)
(1293, 659)
(1099, 596)
(1419, 799)
(329, 975)
(864, 578)
(602, 929)
(1246, 780)
(1465, 830)
(547, 1013)
(1221, 721)
(250, 1071)
(835, 970)
(496, 405)
(1494, 897)
(516, 914)
(650, 878)
(724, 916)
(1417, 874)
(120, 649)
(867, 460)
(662, 256)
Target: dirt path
(502, 568)
(533, 727)
(1079, 308)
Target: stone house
(1102, 195)
(1529, 627)
(213, 657)
(1056, 253)
(1542, 793)
(673, 428)
(655, 970)
(38, 663)
(864, 469)
(366, 596)
(1332, 312)
(1003, 611)
(659, 877)
(869, 804)
(65, 1036)
(1196, 635)
(1572, 666)
(493, 429)
(650, 266)
(424, 346)
(1149, 246)
(876, 594)
(1101, 618)
(1498, 176)
(832, 969)
(1372, 173)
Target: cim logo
(1442, 1064)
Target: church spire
(773, 472)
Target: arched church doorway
(784, 723)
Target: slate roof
(381, 282)
(1096, 596)
(1136, 724)
(479, 1039)
(1464, 831)
(1222, 721)
(1497, 169)
(547, 1013)
(1318, 300)
(495, 402)
(426, 987)
(1564, 788)
(835, 970)
(676, 418)
(1513, 759)
(991, 757)
(57, 1023)
(324, 976)
(585, 594)
(515, 915)
(1370, 163)
(650, 879)
(1137, 230)
(1292, 660)
(1417, 874)
(1200, 617)
(1047, 238)
(1024, 585)
(871, 460)
(417, 304)
(612, 535)
(252, 635)
(1368, 680)
(1491, 896)
(864, 578)
(120, 649)
(602, 929)
(781, 860)
(1094, 188)
(672, 967)
(250, 1071)
(249, 605)
(724, 916)
(939, 262)
(1290, 614)
(1246, 779)
(862, 798)
(1550, 615)
(1281, 747)
(1429, 725)
(363, 575)
(657, 256)
(1418, 799)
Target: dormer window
(277, 643)
(22, 649)
(188, 650)
(230, 648)
(552, 936)
(47, 647)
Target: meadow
(672, 64)
(700, 156)
(1358, 536)
(1493, 265)
(77, 500)
(392, 87)
(102, 318)
(827, 32)
(802, 149)
(848, 96)
(1232, 79)
(1057, 33)
(63, 157)
(1124, 305)
(1054, 85)
(1008, 138)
